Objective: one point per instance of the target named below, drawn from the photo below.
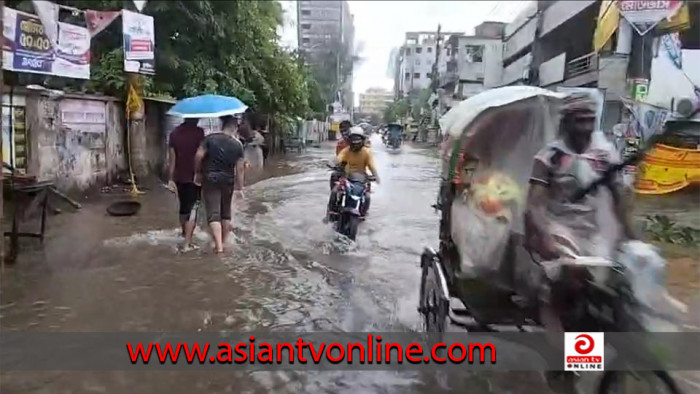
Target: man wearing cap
(556, 224)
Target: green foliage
(396, 111)
(209, 46)
(662, 229)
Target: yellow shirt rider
(357, 156)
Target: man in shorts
(219, 167)
(183, 143)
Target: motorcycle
(350, 202)
(484, 278)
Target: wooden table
(27, 198)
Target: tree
(209, 46)
(396, 111)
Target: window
(306, 12)
(306, 26)
(408, 76)
(305, 40)
(408, 51)
(455, 50)
(474, 54)
(416, 75)
(430, 49)
(427, 75)
(419, 50)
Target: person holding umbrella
(183, 143)
(219, 169)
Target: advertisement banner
(644, 15)
(647, 120)
(672, 45)
(97, 21)
(139, 43)
(27, 48)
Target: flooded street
(284, 270)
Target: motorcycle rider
(342, 144)
(356, 158)
(554, 222)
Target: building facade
(415, 60)
(323, 28)
(375, 100)
(475, 62)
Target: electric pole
(2, 148)
(434, 82)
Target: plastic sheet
(497, 149)
(647, 270)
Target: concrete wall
(552, 71)
(490, 69)
(561, 11)
(75, 140)
(520, 39)
(612, 76)
(516, 70)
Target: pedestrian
(183, 144)
(219, 170)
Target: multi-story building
(323, 27)
(416, 59)
(474, 63)
(375, 100)
(539, 49)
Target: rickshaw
(394, 136)
(483, 278)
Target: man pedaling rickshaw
(355, 158)
(555, 224)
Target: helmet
(357, 137)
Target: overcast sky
(380, 26)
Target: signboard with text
(644, 15)
(26, 47)
(139, 43)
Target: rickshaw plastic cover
(647, 272)
(504, 142)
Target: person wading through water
(219, 169)
(183, 143)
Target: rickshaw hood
(456, 120)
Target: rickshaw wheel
(433, 305)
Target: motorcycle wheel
(353, 223)
(611, 381)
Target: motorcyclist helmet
(357, 138)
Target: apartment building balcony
(603, 70)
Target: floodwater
(284, 270)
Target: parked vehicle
(483, 278)
(350, 202)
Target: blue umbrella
(208, 106)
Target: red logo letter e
(580, 345)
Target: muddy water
(284, 270)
